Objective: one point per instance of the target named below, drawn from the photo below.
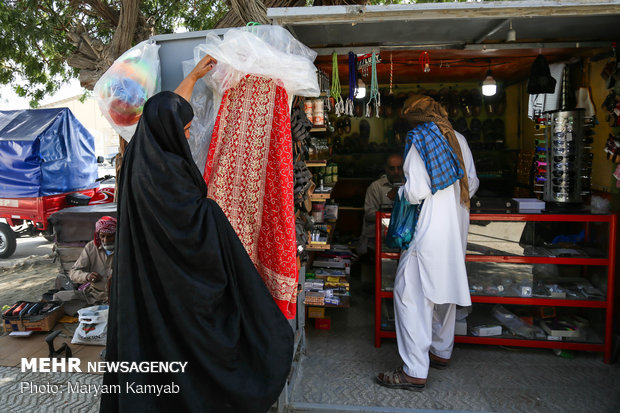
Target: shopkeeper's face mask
(109, 248)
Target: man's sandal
(438, 362)
(397, 379)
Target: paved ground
(28, 247)
(339, 366)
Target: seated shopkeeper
(92, 270)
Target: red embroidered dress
(249, 173)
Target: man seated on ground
(92, 270)
(380, 194)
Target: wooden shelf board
(319, 197)
(317, 247)
(317, 163)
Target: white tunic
(437, 254)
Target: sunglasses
(563, 165)
(562, 150)
(562, 134)
(563, 181)
(541, 149)
(541, 163)
(564, 158)
(541, 179)
(561, 196)
(563, 142)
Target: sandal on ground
(397, 379)
(438, 362)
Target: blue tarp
(44, 152)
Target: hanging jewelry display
(391, 73)
(374, 90)
(349, 109)
(425, 62)
(569, 163)
(324, 88)
(335, 89)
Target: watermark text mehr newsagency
(74, 365)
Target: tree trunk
(92, 57)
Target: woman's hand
(203, 67)
(186, 86)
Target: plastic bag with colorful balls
(124, 88)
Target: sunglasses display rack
(563, 160)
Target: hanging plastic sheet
(205, 102)
(266, 51)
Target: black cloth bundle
(184, 288)
(540, 80)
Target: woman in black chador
(184, 287)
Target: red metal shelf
(540, 217)
(567, 345)
(553, 302)
(517, 259)
(606, 304)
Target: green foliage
(34, 46)
(31, 46)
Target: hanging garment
(544, 102)
(249, 173)
(184, 289)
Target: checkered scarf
(440, 160)
(422, 109)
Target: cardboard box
(316, 312)
(43, 322)
(460, 328)
(486, 330)
(323, 323)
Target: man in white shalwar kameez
(431, 277)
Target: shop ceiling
(461, 40)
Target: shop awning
(468, 36)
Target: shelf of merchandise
(344, 303)
(322, 246)
(607, 304)
(314, 197)
(315, 163)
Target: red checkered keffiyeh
(107, 225)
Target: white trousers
(421, 325)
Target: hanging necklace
(374, 89)
(339, 103)
(349, 109)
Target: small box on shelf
(323, 323)
(316, 312)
